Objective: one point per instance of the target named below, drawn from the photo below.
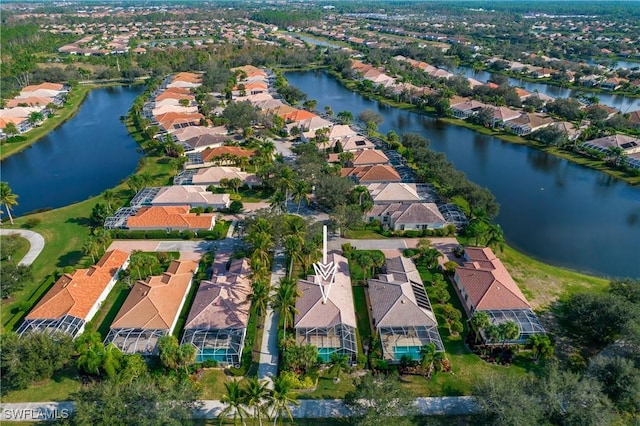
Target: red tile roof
(76, 293)
(175, 217)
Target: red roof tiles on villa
(77, 293)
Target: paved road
(268, 366)
(210, 409)
(36, 242)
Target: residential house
(325, 316)
(187, 133)
(527, 123)
(398, 192)
(225, 154)
(367, 157)
(484, 284)
(214, 175)
(634, 119)
(218, 319)
(612, 83)
(75, 298)
(371, 174)
(401, 312)
(205, 141)
(178, 195)
(405, 217)
(629, 144)
(170, 218)
(467, 108)
(152, 309)
(607, 109)
(352, 143)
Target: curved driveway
(36, 242)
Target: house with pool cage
(484, 284)
(217, 321)
(75, 297)
(325, 316)
(401, 311)
(151, 309)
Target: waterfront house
(75, 297)
(217, 321)
(527, 123)
(484, 284)
(401, 311)
(371, 174)
(152, 309)
(405, 217)
(170, 218)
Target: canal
(551, 209)
(84, 156)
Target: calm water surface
(86, 155)
(551, 209)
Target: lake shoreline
(600, 166)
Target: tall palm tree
(300, 192)
(259, 296)
(281, 397)
(262, 245)
(256, 396)
(109, 196)
(103, 237)
(8, 198)
(293, 247)
(509, 330)
(285, 301)
(234, 401)
(91, 248)
(479, 321)
(541, 345)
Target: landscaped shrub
(187, 235)
(237, 372)
(412, 234)
(209, 363)
(409, 252)
(296, 382)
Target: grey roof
(338, 309)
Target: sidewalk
(210, 409)
(268, 366)
(36, 242)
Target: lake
(551, 209)
(84, 156)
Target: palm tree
(8, 198)
(35, 117)
(279, 202)
(11, 129)
(429, 356)
(136, 261)
(339, 363)
(256, 394)
(262, 245)
(541, 345)
(259, 296)
(509, 330)
(479, 321)
(91, 248)
(285, 301)
(235, 183)
(293, 246)
(495, 237)
(109, 196)
(328, 110)
(281, 398)
(103, 237)
(234, 401)
(300, 192)
(493, 333)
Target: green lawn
(212, 383)
(109, 309)
(364, 234)
(74, 100)
(362, 316)
(58, 388)
(21, 249)
(328, 389)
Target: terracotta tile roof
(213, 175)
(368, 157)
(223, 301)
(188, 195)
(77, 293)
(154, 303)
(377, 173)
(211, 153)
(393, 192)
(487, 282)
(297, 115)
(634, 117)
(44, 86)
(174, 217)
(188, 77)
(338, 309)
(171, 116)
(250, 70)
(532, 120)
(30, 101)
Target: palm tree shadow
(83, 221)
(70, 259)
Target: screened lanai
(135, 340)
(217, 322)
(340, 338)
(525, 318)
(68, 324)
(221, 345)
